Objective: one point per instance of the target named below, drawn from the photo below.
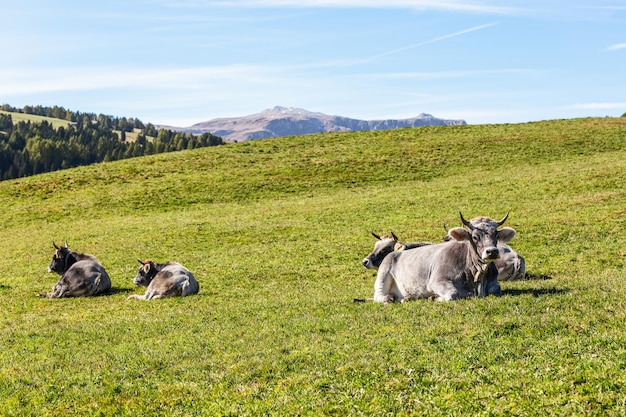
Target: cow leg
(81, 289)
(383, 287)
(445, 290)
(95, 286)
(505, 273)
(46, 294)
(136, 297)
(183, 289)
(520, 269)
(59, 290)
(397, 295)
(491, 287)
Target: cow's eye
(475, 238)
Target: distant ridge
(290, 121)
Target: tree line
(29, 148)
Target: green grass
(275, 230)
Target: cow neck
(159, 267)
(154, 270)
(477, 267)
(69, 260)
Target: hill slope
(275, 230)
(283, 121)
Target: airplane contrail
(440, 38)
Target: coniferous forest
(29, 148)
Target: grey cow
(384, 246)
(169, 279)
(81, 274)
(459, 268)
(511, 265)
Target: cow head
(61, 259)
(483, 235)
(384, 246)
(146, 272)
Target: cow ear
(399, 247)
(459, 233)
(146, 267)
(506, 234)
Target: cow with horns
(511, 265)
(384, 246)
(169, 279)
(459, 268)
(81, 274)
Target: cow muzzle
(368, 263)
(491, 254)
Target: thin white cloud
(599, 106)
(417, 45)
(449, 74)
(22, 81)
(616, 47)
(449, 5)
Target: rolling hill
(275, 231)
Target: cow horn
(465, 222)
(140, 261)
(501, 222)
(55, 245)
(375, 235)
(445, 228)
(394, 236)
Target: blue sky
(183, 62)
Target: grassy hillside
(275, 231)
(19, 117)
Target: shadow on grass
(114, 291)
(535, 292)
(538, 277)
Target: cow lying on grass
(81, 274)
(169, 279)
(511, 266)
(459, 268)
(384, 246)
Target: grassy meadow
(33, 118)
(275, 232)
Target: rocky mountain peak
(291, 121)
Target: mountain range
(290, 121)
